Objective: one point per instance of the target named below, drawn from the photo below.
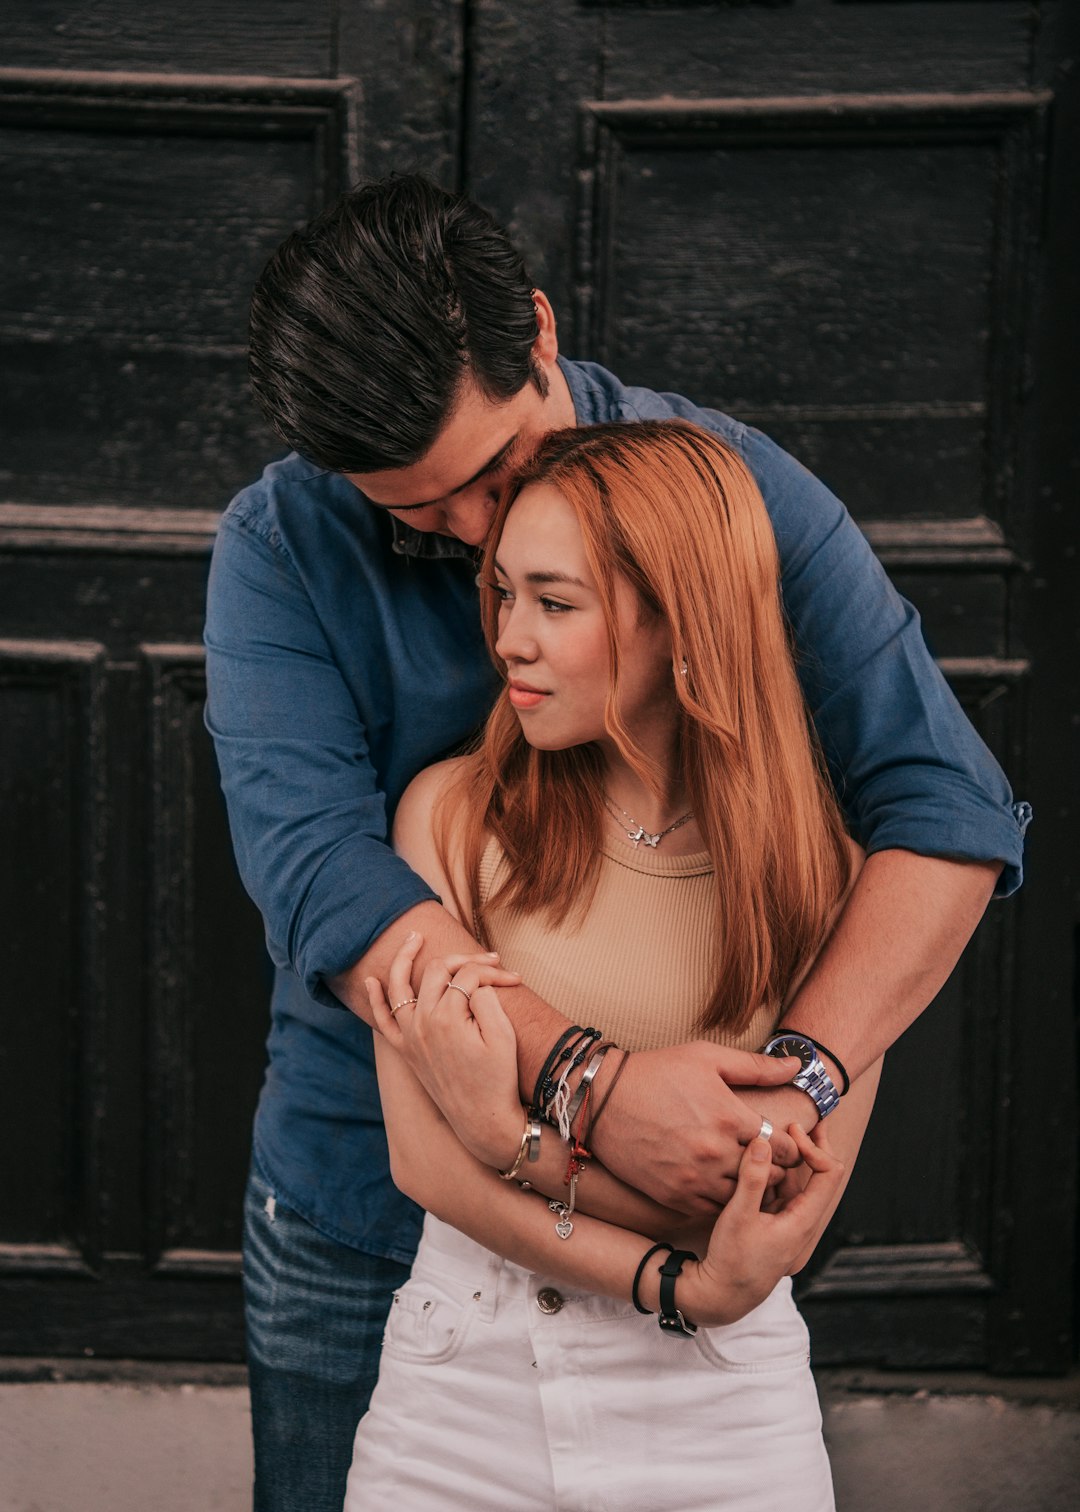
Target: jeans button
(548, 1300)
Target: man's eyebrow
(488, 466)
(548, 577)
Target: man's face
(453, 488)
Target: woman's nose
(512, 644)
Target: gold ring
(466, 995)
(398, 1006)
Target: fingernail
(492, 955)
(760, 1149)
(410, 937)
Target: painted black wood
(851, 222)
(832, 220)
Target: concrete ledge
(127, 1436)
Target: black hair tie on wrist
(646, 1257)
(671, 1319)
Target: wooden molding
(989, 110)
(42, 1260)
(976, 544)
(327, 110)
(898, 1270)
(192, 1262)
(107, 528)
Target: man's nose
(469, 516)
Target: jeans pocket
(426, 1325)
(771, 1338)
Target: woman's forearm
(431, 1166)
(747, 1252)
(601, 1194)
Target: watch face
(793, 1044)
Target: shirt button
(548, 1300)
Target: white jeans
(486, 1400)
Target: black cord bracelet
(550, 1061)
(646, 1257)
(574, 1052)
(823, 1050)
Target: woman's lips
(525, 698)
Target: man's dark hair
(364, 323)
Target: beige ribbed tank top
(639, 964)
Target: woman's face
(553, 638)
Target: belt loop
(486, 1295)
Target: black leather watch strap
(671, 1319)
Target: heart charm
(564, 1228)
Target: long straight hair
(676, 512)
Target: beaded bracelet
(565, 1048)
(556, 1093)
(549, 1061)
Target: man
(398, 345)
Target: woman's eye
(553, 606)
(501, 593)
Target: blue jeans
(315, 1313)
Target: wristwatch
(812, 1078)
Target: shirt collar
(429, 545)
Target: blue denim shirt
(344, 654)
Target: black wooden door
(836, 221)
(848, 221)
(151, 157)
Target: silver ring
(765, 1132)
(466, 995)
(403, 1004)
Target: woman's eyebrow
(557, 577)
(547, 577)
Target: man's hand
(676, 1129)
(782, 1106)
(753, 1244)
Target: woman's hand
(751, 1246)
(455, 1037)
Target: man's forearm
(898, 938)
(536, 1024)
(675, 1129)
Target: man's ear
(546, 345)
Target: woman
(631, 592)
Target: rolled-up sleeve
(308, 818)
(911, 771)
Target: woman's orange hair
(677, 513)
